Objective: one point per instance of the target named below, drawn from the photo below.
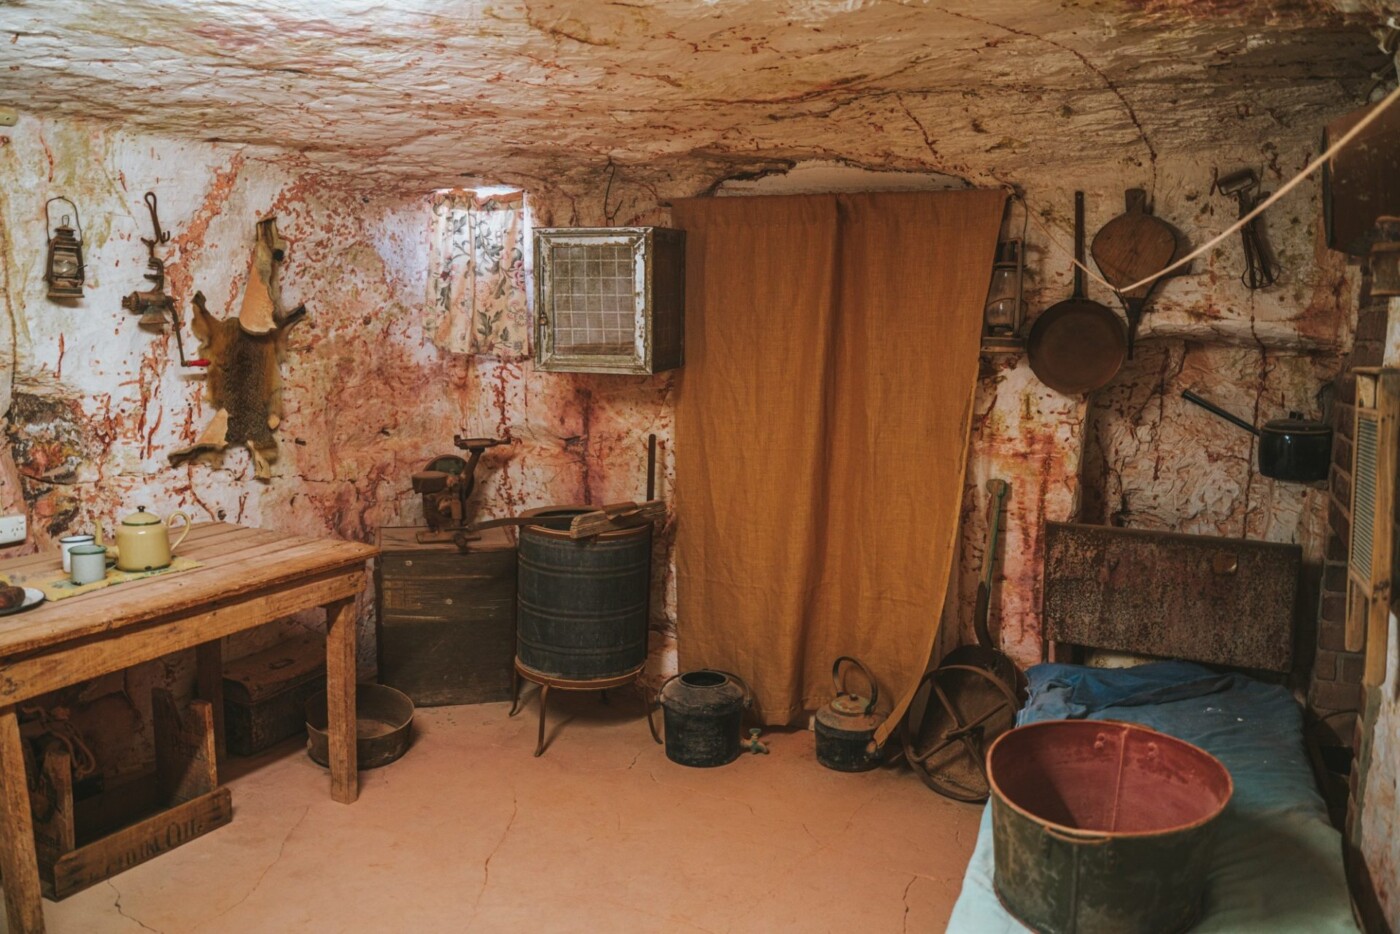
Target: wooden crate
(446, 620)
(265, 693)
(83, 843)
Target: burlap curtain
(821, 432)
(476, 274)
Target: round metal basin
(1103, 826)
(383, 725)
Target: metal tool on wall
(1260, 270)
(1131, 247)
(1294, 449)
(446, 483)
(1077, 345)
(153, 305)
(969, 700)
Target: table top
(236, 562)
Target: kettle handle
(836, 680)
(183, 532)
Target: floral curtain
(477, 274)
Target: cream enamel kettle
(143, 540)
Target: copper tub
(1103, 826)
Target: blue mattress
(1277, 864)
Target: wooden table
(249, 577)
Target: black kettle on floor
(846, 727)
(702, 711)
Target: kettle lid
(141, 517)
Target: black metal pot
(703, 711)
(1295, 449)
(845, 728)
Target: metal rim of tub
(568, 512)
(1125, 727)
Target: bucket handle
(1092, 840)
(840, 690)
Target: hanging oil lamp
(1004, 310)
(64, 270)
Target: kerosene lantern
(1004, 309)
(64, 270)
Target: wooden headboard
(1222, 601)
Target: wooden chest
(446, 620)
(265, 693)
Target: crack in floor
(486, 865)
(904, 925)
(118, 906)
(281, 849)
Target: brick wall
(1335, 693)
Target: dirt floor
(469, 832)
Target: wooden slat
(340, 701)
(248, 562)
(57, 667)
(18, 865)
(209, 685)
(143, 840)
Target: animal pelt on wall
(245, 382)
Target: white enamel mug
(67, 543)
(89, 564)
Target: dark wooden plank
(19, 868)
(142, 841)
(1222, 601)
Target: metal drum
(1103, 826)
(582, 603)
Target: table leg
(209, 675)
(544, 706)
(19, 866)
(340, 699)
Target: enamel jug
(143, 540)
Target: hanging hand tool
(1260, 270)
(1130, 248)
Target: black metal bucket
(703, 712)
(582, 603)
(1101, 826)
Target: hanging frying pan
(1131, 247)
(1077, 345)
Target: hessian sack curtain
(821, 432)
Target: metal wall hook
(162, 236)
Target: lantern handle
(48, 218)
(162, 236)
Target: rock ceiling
(415, 94)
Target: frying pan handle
(1078, 244)
(836, 680)
(1211, 407)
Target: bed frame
(1218, 601)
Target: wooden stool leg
(18, 865)
(544, 706)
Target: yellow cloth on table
(58, 585)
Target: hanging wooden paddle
(1131, 247)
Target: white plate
(33, 596)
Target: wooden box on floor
(85, 842)
(446, 620)
(265, 693)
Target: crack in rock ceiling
(417, 94)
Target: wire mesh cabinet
(609, 299)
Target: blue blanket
(1277, 864)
